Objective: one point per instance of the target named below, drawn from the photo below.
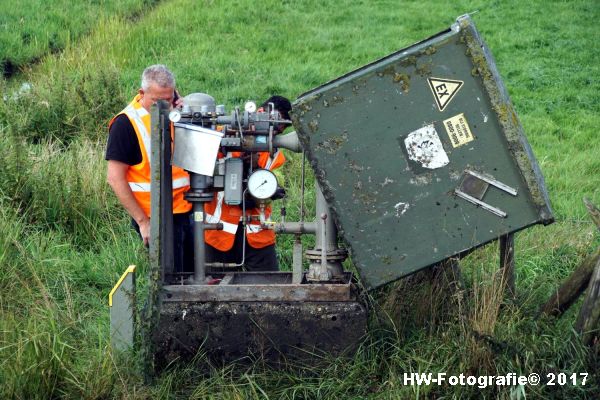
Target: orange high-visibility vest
(138, 176)
(230, 216)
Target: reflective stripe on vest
(216, 217)
(135, 115)
(227, 227)
(275, 161)
(253, 228)
(145, 187)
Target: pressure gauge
(250, 106)
(174, 116)
(262, 184)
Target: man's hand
(177, 100)
(145, 231)
(116, 177)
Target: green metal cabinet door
(421, 156)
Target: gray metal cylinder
(330, 228)
(326, 258)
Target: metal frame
(261, 286)
(325, 281)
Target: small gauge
(262, 184)
(250, 106)
(174, 116)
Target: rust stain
(333, 144)
(403, 80)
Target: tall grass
(64, 240)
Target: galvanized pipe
(330, 228)
(199, 249)
(326, 258)
(297, 261)
(293, 228)
(302, 179)
(323, 273)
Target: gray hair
(158, 74)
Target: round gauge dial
(250, 106)
(174, 116)
(262, 184)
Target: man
(128, 155)
(227, 245)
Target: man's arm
(116, 177)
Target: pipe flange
(332, 255)
(194, 197)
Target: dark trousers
(264, 259)
(183, 242)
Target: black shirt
(122, 142)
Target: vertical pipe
(199, 249)
(297, 261)
(326, 239)
(302, 187)
(324, 247)
(329, 226)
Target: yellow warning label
(458, 130)
(443, 90)
(198, 216)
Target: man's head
(158, 83)
(280, 104)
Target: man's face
(154, 94)
(279, 128)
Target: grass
(30, 29)
(64, 240)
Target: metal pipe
(326, 257)
(199, 249)
(330, 228)
(297, 261)
(244, 225)
(294, 228)
(324, 247)
(221, 265)
(302, 189)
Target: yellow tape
(129, 270)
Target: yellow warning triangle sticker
(443, 90)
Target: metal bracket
(474, 186)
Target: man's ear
(141, 91)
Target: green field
(31, 29)
(64, 239)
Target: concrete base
(276, 331)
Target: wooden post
(594, 212)
(588, 321)
(570, 290)
(507, 263)
(576, 283)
